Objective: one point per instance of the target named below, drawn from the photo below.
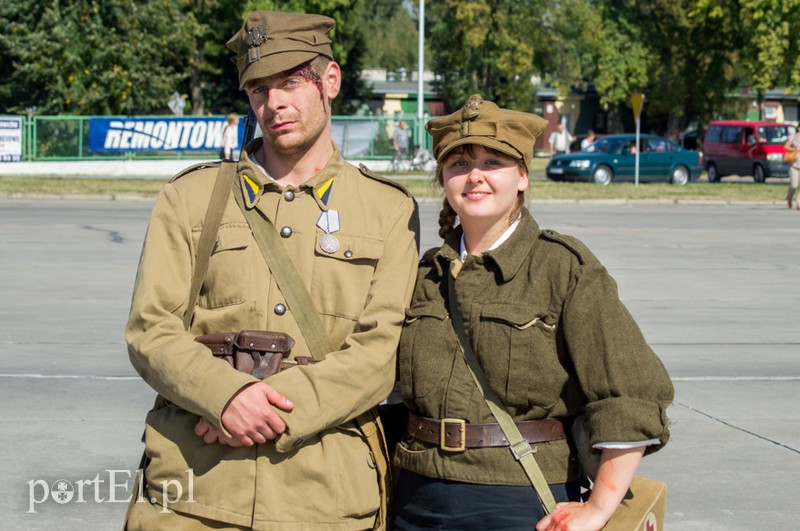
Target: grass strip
(423, 189)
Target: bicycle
(399, 162)
(423, 160)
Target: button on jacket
(545, 321)
(360, 291)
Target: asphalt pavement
(714, 288)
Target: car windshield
(775, 134)
(604, 145)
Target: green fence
(52, 138)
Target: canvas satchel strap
(289, 282)
(319, 343)
(208, 234)
(520, 448)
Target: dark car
(691, 141)
(613, 158)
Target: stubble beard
(296, 142)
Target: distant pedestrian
(586, 142)
(793, 145)
(230, 137)
(560, 139)
(400, 140)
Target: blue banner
(195, 133)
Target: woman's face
(482, 185)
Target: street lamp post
(420, 68)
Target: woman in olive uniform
(545, 321)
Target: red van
(742, 147)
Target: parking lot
(714, 288)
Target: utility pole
(420, 69)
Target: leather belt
(456, 435)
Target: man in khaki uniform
(231, 451)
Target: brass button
(280, 309)
(288, 195)
(286, 232)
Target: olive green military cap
(271, 42)
(483, 123)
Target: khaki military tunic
(544, 318)
(319, 473)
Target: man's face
(293, 108)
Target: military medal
(329, 244)
(329, 222)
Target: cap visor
(484, 141)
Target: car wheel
(679, 175)
(713, 174)
(602, 175)
(758, 173)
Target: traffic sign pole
(636, 103)
(637, 152)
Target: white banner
(10, 139)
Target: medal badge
(329, 222)
(329, 244)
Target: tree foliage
(760, 49)
(392, 39)
(93, 57)
(122, 57)
(483, 46)
(126, 57)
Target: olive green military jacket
(319, 473)
(544, 318)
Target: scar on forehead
(309, 74)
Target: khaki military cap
(272, 42)
(483, 123)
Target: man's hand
(212, 435)
(250, 417)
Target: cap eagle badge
(471, 108)
(256, 35)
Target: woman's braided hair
(447, 219)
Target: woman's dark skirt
(427, 503)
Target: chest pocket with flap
(228, 276)
(516, 346)
(342, 279)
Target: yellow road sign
(636, 103)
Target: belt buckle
(462, 430)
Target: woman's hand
(573, 516)
(617, 467)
